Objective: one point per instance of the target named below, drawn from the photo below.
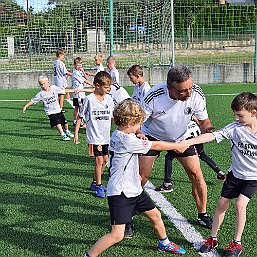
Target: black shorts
(56, 119)
(77, 102)
(191, 151)
(122, 208)
(100, 150)
(233, 187)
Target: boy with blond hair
(241, 181)
(112, 70)
(49, 96)
(97, 111)
(124, 191)
(135, 74)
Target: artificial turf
(47, 210)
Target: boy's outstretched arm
(204, 138)
(27, 105)
(165, 146)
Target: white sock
(164, 241)
(62, 134)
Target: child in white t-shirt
(49, 96)
(125, 193)
(135, 74)
(97, 111)
(112, 70)
(78, 80)
(60, 73)
(241, 181)
(99, 65)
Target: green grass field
(47, 210)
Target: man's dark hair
(178, 74)
(245, 100)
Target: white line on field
(187, 230)
(224, 94)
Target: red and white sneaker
(233, 249)
(208, 245)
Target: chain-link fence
(206, 32)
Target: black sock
(98, 185)
(200, 215)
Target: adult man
(169, 108)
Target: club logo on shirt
(188, 111)
(106, 106)
(144, 143)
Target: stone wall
(202, 74)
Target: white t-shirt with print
(60, 74)
(167, 119)
(98, 117)
(243, 148)
(49, 99)
(78, 82)
(115, 75)
(118, 93)
(140, 91)
(193, 130)
(124, 165)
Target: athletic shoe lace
(232, 246)
(209, 241)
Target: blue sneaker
(93, 186)
(171, 248)
(100, 192)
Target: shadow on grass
(40, 121)
(40, 211)
(50, 156)
(39, 182)
(26, 135)
(20, 108)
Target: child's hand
(180, 147)
(142, 136)
(76, 91)
(24, 109)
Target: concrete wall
(202, 74)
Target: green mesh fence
(206, 32)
